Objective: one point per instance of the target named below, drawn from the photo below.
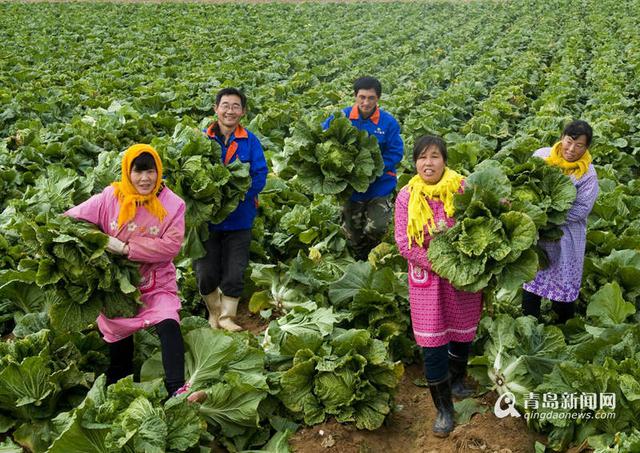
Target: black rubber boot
(121, 364)
(441, 394)
(564, 310)
(172, 348)
(361, 252)
(458, 371)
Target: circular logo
(510, 400)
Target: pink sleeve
(416, 255)
(162, 249)
(89, 211)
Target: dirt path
(408, 429)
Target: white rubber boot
(212, 301)
(229, 309)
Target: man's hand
(117, 247)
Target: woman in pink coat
(444, 319)
(145, 222)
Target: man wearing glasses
(220, 274)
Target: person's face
(143, 180)
(430, 165)
(367, 101)
(229, 111)
(572, 150)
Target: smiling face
(367, 101)
(144, 180)
(229, 111)
(574, 149)
(430, 165)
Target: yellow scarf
(420, 213)
(127, 194)
(577, 168)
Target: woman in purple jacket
(560, 281)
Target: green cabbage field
(80, 82)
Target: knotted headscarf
(577, 168)
(420, 213)
(127, 194)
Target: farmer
(366, 215)
(560, 281)
(444, 319)
(145, 223)
(220, 274)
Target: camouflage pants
(366, 223)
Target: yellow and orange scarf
(577, 168)
(420, 213)
(127, 194)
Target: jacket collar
(213, 128)
(355, 114)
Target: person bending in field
(220, 274)
(444, 319)
(560, 281)
(366, 215)
(145, 222)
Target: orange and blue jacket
(387, 130)
(245, 146)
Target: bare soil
(408, 428)
(252, 322)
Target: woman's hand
(440, 227)
(505, 202)
(117, 247)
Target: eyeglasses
(225, 107)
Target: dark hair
(144, 162)
(427, 141)
(231, 92)
(367, 83)
(577, 128)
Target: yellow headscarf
(127, 194)
(420, 213)
(577, 168)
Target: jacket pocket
(418, 276)
(147, 282)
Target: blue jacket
(245, 146)
(387, 130)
